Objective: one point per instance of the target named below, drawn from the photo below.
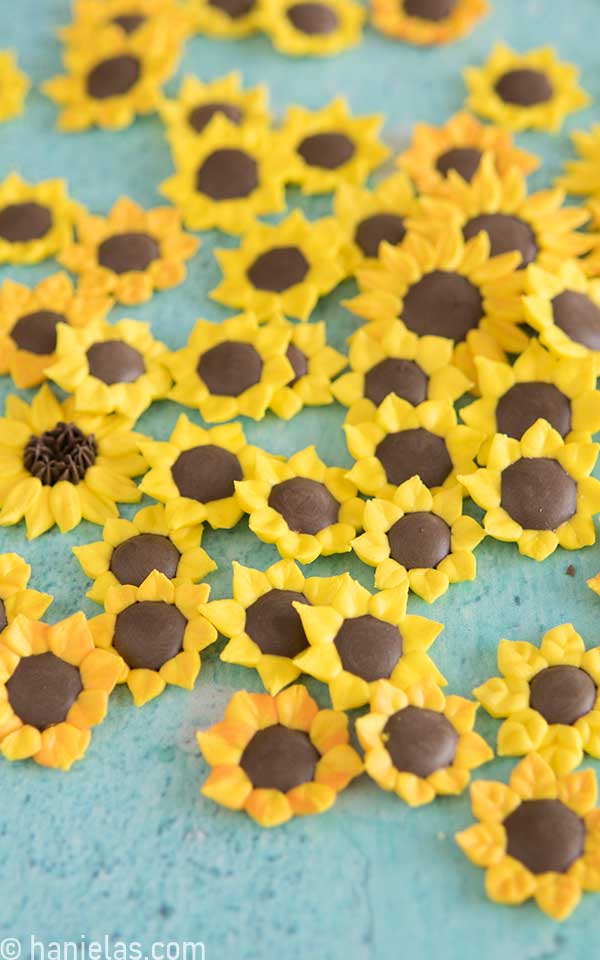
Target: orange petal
(338, 767)
(229, 786)
(329, 729)
(257, 710)
(296, 708)
(311, 798)
(269, 807)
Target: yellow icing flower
(524, 91)
(149, 19)
(304, 507)
(156, 632)
(278, 757)
(548, 699)
(231, 368)
(423, 23)
(194, 472)
(36, 220)
(130, 253)
(319, 28)
(14, 86)
(60, 466)
(402, 441)
(536, 837)
(420, 538)
(197, 103)
(15, 598)
(358, 639)
(419, 743)
(328, 147)
(54, 686)
(226, 18)
(459, 145)
(29, 319)
(537, 491)
(314, 363)
(370, 217)
(582, 176)
(282, 268)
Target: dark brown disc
(538, 493)
(36, 332)
(43, 689)
(306, 505)
(417, 452)
(134, 559)
(442, 304)
(275, 626)
(149, 633)
(278, 758)
(544, 835)
(206, 473)
(419, 540)
(420, 741)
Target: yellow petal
(483, 843)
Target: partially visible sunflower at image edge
(15, 596)
(426, 22)
(314, 28)
(36, 219)
(14, 86)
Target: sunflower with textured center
(156, 632)
(357, 639)
(525, 91)
(419, 743)
(402, 441)
(36, 220)
(536, 837)
(537, 491)
(318, 28)
(278, 757)
(194, 473)
(130, 253)
(304, 507)
(427, 22)
(420, 538)
(54, 686)
(14, 86)
(15, 597)
(538, 385)
(197, 103)
(414, 368)
(370, 217)
(283, 268)
(314, 364)
(60, 466)
(226, 18)
(149, 19)
(459, 145)
(328, 147)
(547, 697)
(29, 319)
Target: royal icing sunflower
(301, 28)
(402, 441)
(278, 757)
(54, 687)
(110, 367)
(420, 538)
(150, 19)
(547, 697)
(130, 253)
(304, 507)
(36, 220)
(226, 18)
(370, 217)
(231, 369)
(60, 466)
(358, 639)
(536, 837)
(419, 743)
(427, 22)
(524, 91)
(328, 147)
(537, 491)
(282, 268)
(194, 473)
(29, 319)
(197, 103)
(15, 597)
(459, 145)
(414, 368)
(14, 86)
(314, 364)
(582, 176)
(157, 633)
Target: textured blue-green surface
(124, 845)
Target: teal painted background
(124, 845)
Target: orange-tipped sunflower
(278, 757)
(317, 28)
(147, 19)
(54, 687)
(36, 220)
(14, 86)
(226, 18)
(197, 103)
(314, 364)
(427, 22)
(15, 597)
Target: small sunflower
(427, 22)
(314, 363)
(130, 253)
(14, 86)
(197, 103)
(317, 28)
(358, 639)
(524, 91)
(536, 837)
(548, 699)
(414, 368)
(29, 319)
(278, 757)
(194, 473)
(402, 441)
(36, 220)
(304, 507)
(582, 176)
(149, 19)
(15, 598)
(156, 632)
(537, 491)
(60, 466)
(226, 18)
(419, 538)
(419, 743)
(54, 686)
(459, 145)
(283, 268)
(328, 147)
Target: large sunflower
(36, 220)
(197, 103)
(278, 757)
(314, 28)
(60, 466)
(149, 19)
(536, 837)
(15, 597)
(582, 176)
(537, 491)
(226, 18)
(314, 364)
(14, 86)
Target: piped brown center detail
(579, 317)
(63, 453)
(434, 10)
(206, 473)
(313, 19)
(328, 150)
(506, 234)
(306, 505)
(43, 689)
(113, 77)
(227, 174)
(128, 252)
(442, 304)
(277, 758)
(562, 694)
(417, 452)
(278, 269)
(24, 222)
(544, 835)
(234, 9)
(464, 160)
(524, 87)
(200, 116)
(368, 647)
(538, 493)
(133, 559)
(371, 232)
(230, 367)
(419, 540)
(396, 375)
(524, 403)
(36, 332)
(275, 626)
(420, 741)
(114, 361)
(149, 633)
